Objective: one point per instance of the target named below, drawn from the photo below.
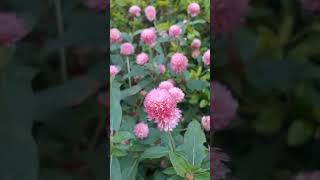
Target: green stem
(172, 142)
(128, 66)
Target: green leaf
(122, 136)
(299, 132)
(116, 109)
(270, 119)
(169, 171)
(180, 164)
(154, 153)
(129, 167)
(115, 170)
(197, 85)
(135, 89)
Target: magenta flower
(142, 58)
(148, 36)
(12, 29)
(150, 12)
(115, 36)
(193, 9)
(218, 169)
(166, 85)
(178, 63)
(162, 68)
(177, 94)
(196, 43)
(99, 5)
(126, 49)
(174, 31)
(141, 130)
(311, 5)
(206, 57)
(134, 11)
(195, 53)
(205, 121)
(113, 70)
(308, 176)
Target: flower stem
(128, 66)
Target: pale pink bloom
(196, 44)
(205, 121)
(99, 5)
(174, 31)
(135, 10)
(148, 36)
(218, 170)
(189, 177)
(169, 123)
(315, 175)
(224, 106)
(206, 57)
(115, 35)
(142, 58)
(162, 68)
(141, 130)
(125, 142)
(193, 9)
(195, 53)
(150, 12)
(12, 29)
(143, 93)
(311, 5)
(166, 85)
(178, 63)
(126, 49)
(177, 94)
(113, 70)
(172, 81)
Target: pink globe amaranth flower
(195, 53)
(178, 62)
(149, 36)
(162, 68)
(224, 106)
(311, 5)
(193, 9)
(205, 121)
(142, 58)
(169, 123)
(189, 177)
(228, 14)
(113, 70)
(12, 29)
(196, 43)
(126, 49)
(150, 12)
(135, 11)
(115, 36)
(99, 5)
(308, 176)
(218, 168)
(174, 31)
(206, 57)
(166, 85)
(141, 130)
(177, 93)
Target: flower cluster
(12, 29)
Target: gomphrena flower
(12, 29)
(135, 11)
(115, 36)
(228, 14)
(142, 58)
(149, 36)
(205, 121)
(141, 130)
(113, 70)
(150, 12)
(224, 106)
(195, 53)
(178, 62)
(166, 85)
(308, 176)
(99, 5)
(218, 168)
(126, 49)
(162, 68)
(196, 43)
(193, 9)
(177, 94)
(206, 57)
(311, 5)
(174, 31)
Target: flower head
(193, 9)
(177, 94)
(113, 70)
(126, 49)
(12, 29)
(148, 36)
(162, 68)
(174, 31)
(206, 57)
(166, 85)
(135, 11)
(205, 121)
(141, 130)
(195, 53)
(311, 5)
(178, 63)
(115, 35)
(150, 12)
(99, 5)
(142, 58)
(196, 43)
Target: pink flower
(177, 94)
(224, 106)
(174, 31)
(162, 68)
(178, 63)
(141, 130)
(196, 43)
(195, 53)
(150, 12)
(113, 70)
(206, 57)
(193, 9)
(126, 49)
(308, 176)
(166, 85)
(148, 36)
(12, 29)
(228, 14)
(311, 5)
(115, 35)
(189, 177)
(135, 11)
(99, 5)
(205, 121)
(218, 169)
(142, 58)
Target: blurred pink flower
(115, 36)
(135, 11)
(223, 106)
(142, 58)
(311, 5)
(141, 130)
(218, 170)
(166, 85)
(195, 53)
(178, 63)
(113, 70)
(150, 12)
(126, 49)
(206, 57)
(205, 121)
(174, 31)
(162, 68)
(193, 9)
(99, 5)
(308, 176)
(228, 14)
(177, 94)
(12, 29)
(196, 43)
(148, 36)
